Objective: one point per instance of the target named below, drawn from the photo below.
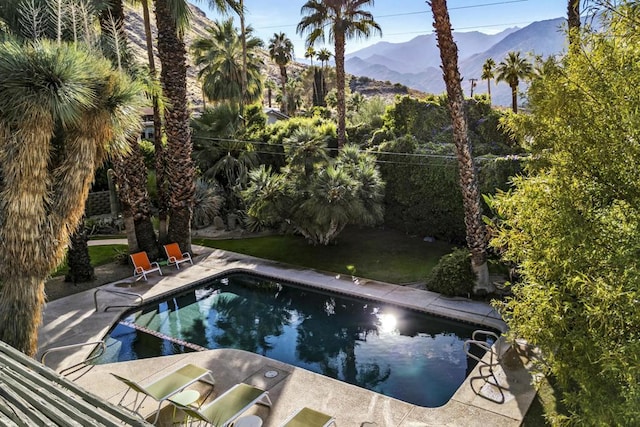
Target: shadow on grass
(378, 254)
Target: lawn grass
(100, 255)
(378, 254)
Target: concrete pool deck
(497, 397)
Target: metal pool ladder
(494, 357)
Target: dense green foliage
(315, 195)
(422, 192)
(453, 276)
(573, 225)
(429, 122)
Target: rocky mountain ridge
(416, 63)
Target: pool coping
(498, 397)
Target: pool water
(400, 353)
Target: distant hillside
(135, 30)
(416, 63)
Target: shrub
(453, 276)
(207, 203)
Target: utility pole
(473, 85)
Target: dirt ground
(56, 287)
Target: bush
(207, 203)
(453, 276)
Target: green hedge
(422, 191)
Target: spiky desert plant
(61, 110)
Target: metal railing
(113, 291)
(103, 348)
(484, 345)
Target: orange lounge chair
(176, 257)
(142, 265)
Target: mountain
(416, 63)
(422, 52)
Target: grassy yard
(385, 255)
(100, 255)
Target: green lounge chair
(227, 407)
(307, 417)
(165, 387)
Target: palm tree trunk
(163, 201)
(22, 291)
(180, 169)
(285, 79)
(340, 89)
(514, 98)
(475, 229)
(489, 90)
(131, 178)
(78, 259)
(244, 59)
(131, 173)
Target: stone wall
(98, 204)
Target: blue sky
(402, 20)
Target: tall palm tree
(172, 16)
(281, 52)
(337, 20)
(61, 108)
(487, 74)
(511, 70)
(475, 230)
(220, 59)
(130, 169)
(309, 53)
(324, 55)
(161, 176)
(270, 85)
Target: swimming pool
(398, 352)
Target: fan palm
(475, 229)
(281, 52)
(305, 148)
(310, 53)
(337, 21)
(61, 109)
(511, 70)
(219, 56)
(487, 74)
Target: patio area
(497, 398)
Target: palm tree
(220, 58)
(281, 52)
(130, 170)
(337, 20)
(324, 55)
(269, 85)
(487, 74)
(61, 108)
(161, 177)
(511, 70)
(310, 53)
(475, 229)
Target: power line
(389, 153)
(422, 12)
